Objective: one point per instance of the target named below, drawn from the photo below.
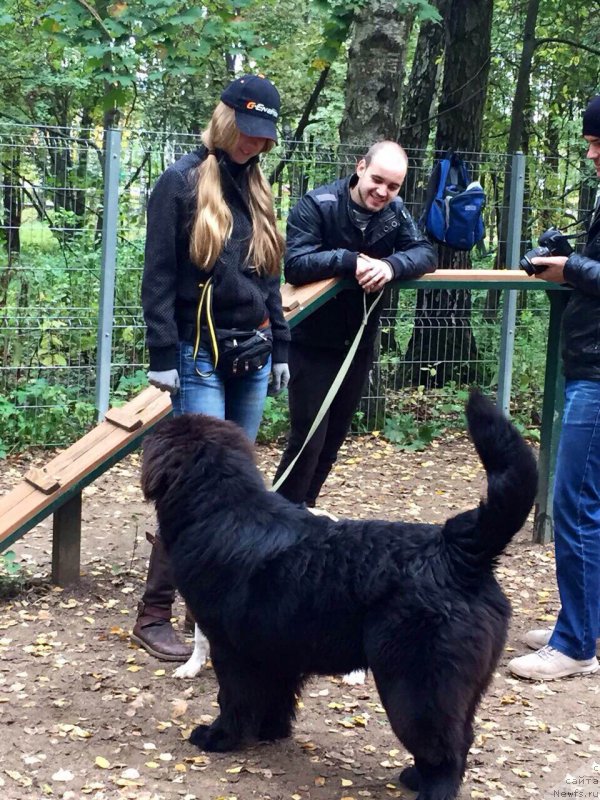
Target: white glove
(281, 377)
(166, 380)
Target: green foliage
(42, 413)
(416, 417)
(130, 385)
(425, 11)
(9, 566)
(275, 421)
(410, 434)
(121, 41)
(339, 16)
(12, 575)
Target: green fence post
(110, 222)
(509, 306)
(543, 526)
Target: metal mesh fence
(422, 371)
(52, 183)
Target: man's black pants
(312, 371)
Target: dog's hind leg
(410, 777)
(439, 762)
(434, 734)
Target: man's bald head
(380, 173)
(388, 150)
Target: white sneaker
(538, 638)
(548, 664)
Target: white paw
(354, 678)
(191, 668)
(319, 512)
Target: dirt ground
(86, 714)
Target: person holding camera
(356, 228)
(211, 297)
(570, 647)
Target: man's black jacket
(324, 242)
(581, 320)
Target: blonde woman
(212, 281)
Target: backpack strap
(461, 171)
(444, 165)
(429, 194)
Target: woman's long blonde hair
(213, 220)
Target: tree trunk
(442, 346)
(418, 103)
(518, 135)
(587, 193)
(376, 64)
(466, 69)
(13, 206)
(296, 137)
(415, 129)
(87, 121)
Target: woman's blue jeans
(239, 399)
(577, 522)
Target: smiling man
(354, 228)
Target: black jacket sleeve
(414, 255)
(159, 280)
(279, 326)
(583, 273)
(305, 261)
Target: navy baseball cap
(256, 103)
(591, 117)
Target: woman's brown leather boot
(153, 629)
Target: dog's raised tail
(511, 483)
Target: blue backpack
(453, 213)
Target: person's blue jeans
(577, 522)
(238, 399)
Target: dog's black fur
(282, 594)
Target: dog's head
(178, 443)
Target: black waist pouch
(241, 352)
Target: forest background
(485, 77)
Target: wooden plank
(292, 296)
(300, 301)
(297, 297)
(26, 501)
(123, 418)
(39, 478)
(483, 276)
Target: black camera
(551, 243)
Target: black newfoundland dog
(282, 594)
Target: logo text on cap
(252, 105)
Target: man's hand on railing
(372, 273)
